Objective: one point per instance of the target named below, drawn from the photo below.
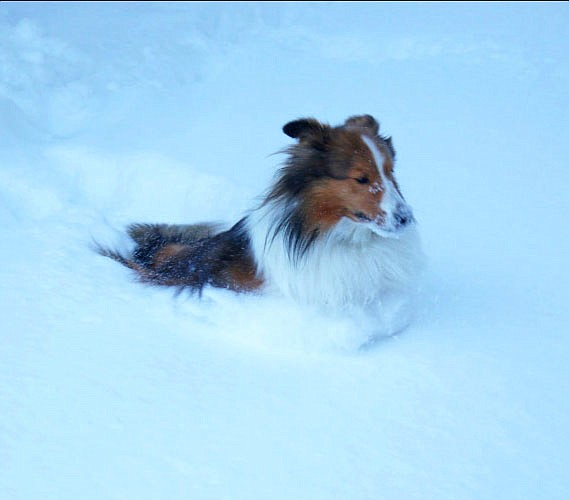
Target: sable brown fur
(323, 156)
(191, 256)
(326, 177)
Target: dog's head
(343, 172)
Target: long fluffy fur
(280, 243)
(348, 265)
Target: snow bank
(124, 112)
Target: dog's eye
(362, 180)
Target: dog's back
(191, 256)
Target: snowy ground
(115, 113)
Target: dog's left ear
(304, 128)
(309, 131)
(366, 122)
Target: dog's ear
(389, 143)
(371, 125)
(306, 129)
(366, 122)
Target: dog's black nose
(403, 216)
(401, 219)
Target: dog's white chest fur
(350, 266)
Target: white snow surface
(112, 113)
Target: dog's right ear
(366, 122)
(305, 129)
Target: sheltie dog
(332, 230)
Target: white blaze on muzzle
(397, 212)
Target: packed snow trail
(145, 112)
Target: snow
(112, 113)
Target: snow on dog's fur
(332, 230)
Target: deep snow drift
(115, 113)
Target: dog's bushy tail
(190, 256)
(151, 238)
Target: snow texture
(113, 113)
